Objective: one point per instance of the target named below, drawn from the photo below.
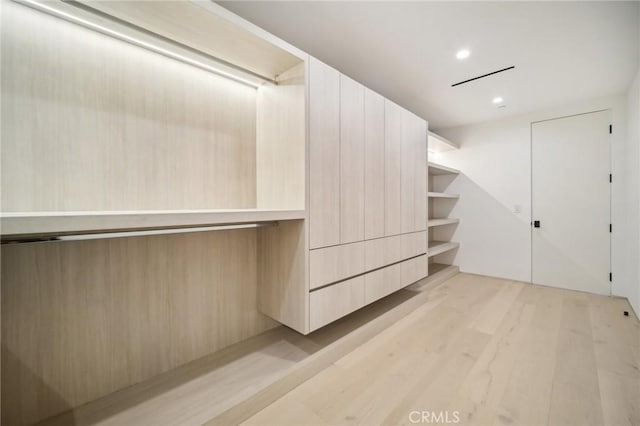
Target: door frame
(610, 111)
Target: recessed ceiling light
(497, 100)
(463, 54)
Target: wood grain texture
(413, 270)
(194, 393)
(383, 251)
(408, 173)
(493, 350)
(330, 303)
(206, 32)
(324, 155)
(283, 283)
(414, 244)
(90, 124)
(374, 165)
(413, 173)
(393, 167)
(351, 160)
(83, 319)
(281, 141)
(382, 282)
(331, 264)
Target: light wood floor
(497, 352)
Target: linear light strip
(141, 43)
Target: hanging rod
(125, 234)
(112, 26)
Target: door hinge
(610, 228)
(610, 178)
(610, 128)
(610, 276)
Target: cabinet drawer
(378, 284)
(382, 251)
(331, 264)
(413, 270)
(414, 244)
(330, 303)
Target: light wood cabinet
(393, 166)
(421, 186)
(414, 270)
(413, 174)
(382, 282)
(414, 244)
(330, 264)
(374, 165)
(324, 155)
(382, 251)
(351, 160)
(330, 303)
(379, 164)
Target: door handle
(536, 224)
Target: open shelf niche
(184, 140)
(441, 249)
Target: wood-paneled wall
(281, 142)
(83, 319)
(93, 123)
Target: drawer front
(414, 244)
(382, 251)
(330, 303)
(378, 284)
(414, 270)
(331, 264)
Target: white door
(571, 202)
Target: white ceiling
(562, 51)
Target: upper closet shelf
(437, 169)
(442, 195)
(437, 143)
(441, 222)
(439, 247)
(53, 224)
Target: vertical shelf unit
(441, 250)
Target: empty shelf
(437, 169)
(442, 195)
(435, 267)
(440, 222)
(437, 247)
(78, 223)
(437, 143)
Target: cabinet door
(421, 188)
(392, 174)
(413, 173)
(351, 160)
(324, 155)
(408, 175)
(330, 303)
(373, 165)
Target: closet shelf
(438, 247)
(437, 169)
(441, 222)
(438, 143)
(442, 195)
(44, 224)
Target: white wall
(495, 160)
(633, 193)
